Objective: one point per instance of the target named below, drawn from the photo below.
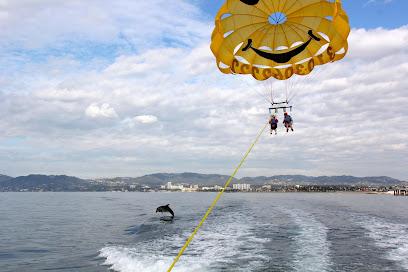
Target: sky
(128, 88)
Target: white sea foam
(151, 257)
(312, 245)
(129, 259)
(224, 240)
(389, 236)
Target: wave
(312, 248)
(227, 239)
(390, 236)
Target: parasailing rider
(274, 123)
(287, 121)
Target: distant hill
(358, 181)
(4, 178)
(67, 183)
(322, 180)
(187, 178)
(278, 180)
(43, 182)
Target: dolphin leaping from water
(165, 209)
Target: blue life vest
(288, 118)
(273, 121)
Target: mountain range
(4, 178)
(68, 183)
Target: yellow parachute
(278, 38)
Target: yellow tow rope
(215, 201)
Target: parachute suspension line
(257, 88)
(267, 87)
(264, 88)
(293, 83)
(261, 91)
(215, 201)
(262, 94)
(309, 80)
(271, 92)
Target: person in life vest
(274, 123)
(287, 120)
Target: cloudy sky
(95, 88)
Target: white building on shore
(241, 187)
(174, 187)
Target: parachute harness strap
(215, 201)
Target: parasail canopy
(278, 38)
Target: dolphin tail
(170, 210)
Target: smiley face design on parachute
(281, 57)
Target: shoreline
(249, 192)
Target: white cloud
(145, 119)
(162, 105)
(150, 61)
(376, 1)
(105, 110)
(377, 43)
(62, 94)
(27, 23)
(252, 112)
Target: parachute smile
(282, 57)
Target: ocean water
(244, 232)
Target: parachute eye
(250, 2)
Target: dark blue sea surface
(244, 232)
